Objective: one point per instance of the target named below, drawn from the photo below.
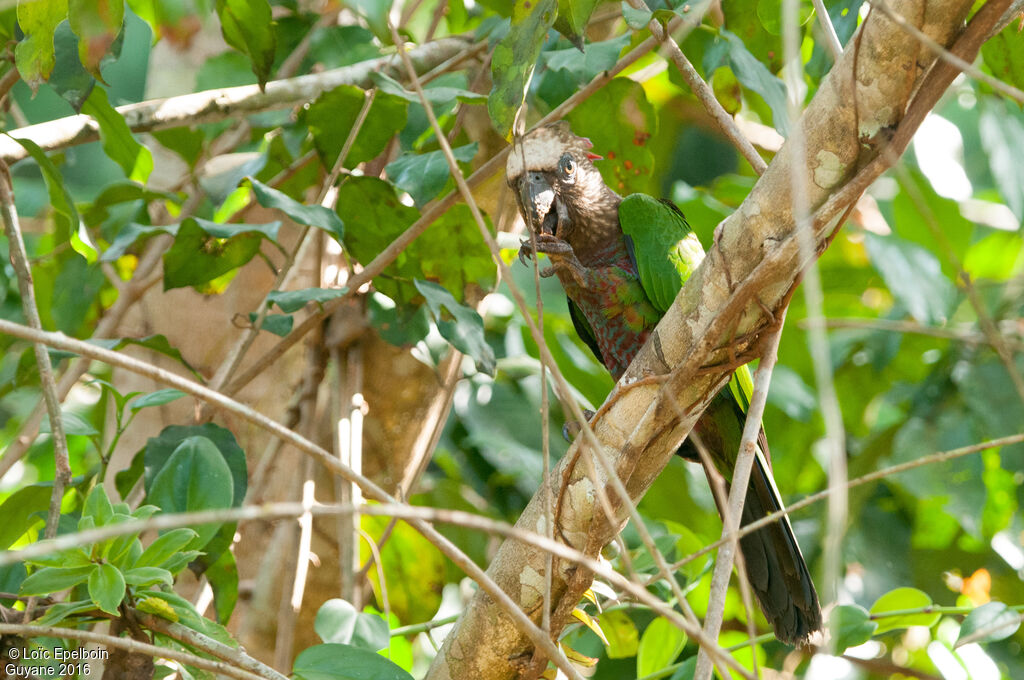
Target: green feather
(666, 249)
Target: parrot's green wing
(665, 248)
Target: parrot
(621, 262)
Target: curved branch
(211, 106)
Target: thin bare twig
(19, 260)
(701, 89)
(205, 644)
(960, 335)
(733, 510)
(222, 104)
(817, 339)
(130, 645)
(938, 457)
(835, 47)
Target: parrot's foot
(573, 427)
(562, 257)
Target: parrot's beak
(539, 201)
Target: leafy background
(921, 287)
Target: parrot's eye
(566, 166)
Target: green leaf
(514, 57)
(914, 276)
(97, 506)
(74, 557)
(903, 599)
(659, 646)
(637, 19)
(69, 78)
(741, 19)
(312, 215)
(73, 424)
(165, 546)
(124, 191)
(106, 588)
(117, 139)
(97, 24)
(223, 578)
(583, 66)
(56, 613)
(204, 250)
(157, 606)
(1002, 130)
(851, 626)
(293, 300)
(623, 638)
(573, 16)
(34, 54)
(158, 398)
(620, 122)
(338, 621)
(278, 324)
(196, 477)
(424, 175)
(344, 662)
(414, 570)
(129, 234)
(753, 75)
(466, 332)
(185, 141)
(50, 580)
(248, 26)
(1003, 54)
(21, 511)
(442, 96)
(687, 670)
(68, 223)
(990, 622)
(159, 450)
(331, 117)
(146, 576)
(376, 14)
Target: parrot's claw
(573, 428)
(526, 252)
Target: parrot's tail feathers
(775, 566)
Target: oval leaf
(106, 587)
(344, 662)
(851, 625)
(659, 646)
(901, 600)
(52, 580)
(990, 622)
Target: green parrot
(621, 262)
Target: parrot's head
(559, 191)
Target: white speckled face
(540, 150)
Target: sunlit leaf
(248, 26)
(910, 603)
(344, 662)
(97, 24)
(514, 57)
(118, 142)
